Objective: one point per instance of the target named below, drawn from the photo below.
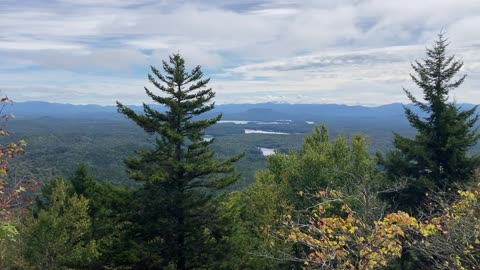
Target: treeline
(329, 205)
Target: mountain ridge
(258, 111)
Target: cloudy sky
(319, 51)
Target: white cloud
(324, 51)
(73, 87)
(37, 45)
(100, 58)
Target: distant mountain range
(250, 112)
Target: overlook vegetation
(175, 188)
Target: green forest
(153, 193)
(103, 144)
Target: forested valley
(180, 183)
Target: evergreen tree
(59, 238)
(174, 221)
(437, 157)
(107, 206)
(88, 186)
(83, 183)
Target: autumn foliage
(343, 240)
(11, 199)
(457, 246)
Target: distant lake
(257, 131)
(240, 122)
(266, 151)
(272, 123)
(244, 122)
(208, 138)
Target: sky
(320, 51)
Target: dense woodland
(153, 193)
(104, 143)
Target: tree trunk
(181, 265)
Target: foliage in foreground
(255, 212)
(336, 237)
(458, 246)
(59, 237)
(12, 194)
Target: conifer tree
(437, 157)
(59, 237)
(174, 221)
(82, 182)
(106, 206)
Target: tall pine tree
(174, 224)
(437, 157)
